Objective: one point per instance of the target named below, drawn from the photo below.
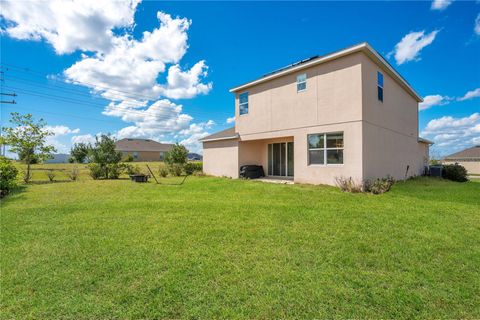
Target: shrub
(348, 184)
(191, 167)
(96, 171)
(128, 158)
(379, 186)
(51, 175)
(114, 170)
(199, 174)
(455, 172)
(8, 176)
(73, 174)
(175, 169)
(177, 155)
(130, 169)
(163, 171)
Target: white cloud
(85, 138)
(451, 133)
(440, 4)
(433, 100)
(131, 68)
(194, 133)
(231, 120)
(121, 68)
(409, 47)
(476, 28)
(61, 130)
(68, 25)
(181, 85)
(470, 95)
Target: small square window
(301, 82)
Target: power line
(87, 84)
(88, 104)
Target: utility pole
(7, 94)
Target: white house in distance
(348, 113)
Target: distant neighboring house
(143, 149)
(58, 158)
(194, 157)
(346, 114)
(469, 158)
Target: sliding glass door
(280, 159)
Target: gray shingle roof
(224, 134)
(470, 153)
(128, 144)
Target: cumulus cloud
(409, 47)
(59, 131)
(186, 84)
(231, 120)
(451, 133)
(131, 68)
(68, 25)
(440, 4)
(470, 95)
(194, 133)
(116, 64)
(85, 138)
(433, 100)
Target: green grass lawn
(219, 248)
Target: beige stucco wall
(254, 151)
(473, 167)
(333, 96)
(220, 158)
(390, 128)
(379, 138)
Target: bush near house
(8, 176)
(191, 167)
(455, 172)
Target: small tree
(104, 154)
(176, 159)
(27, 138)
(178, 155)
(80, 151)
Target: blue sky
(87, 67)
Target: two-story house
(348, 113)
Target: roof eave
(365, 47)
(218, 139)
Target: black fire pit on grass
(139, 177)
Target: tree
(104, 154)
(27, 138)
(178, 155)
(80, 151)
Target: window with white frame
(243, 103)
(135, 155)
(301, 82)
(325, 148)
(380, 86)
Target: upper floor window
(380, 86)
(325, 148)
(243, 103)
(301, 82)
